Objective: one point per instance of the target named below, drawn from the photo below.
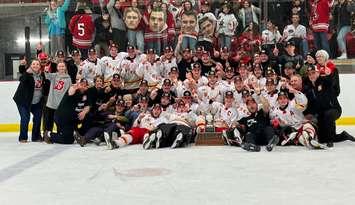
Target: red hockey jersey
(82, 28)
(320, 13)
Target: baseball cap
(60, 53)
(168, 49)
(225, 49)
(174, 69)
(167, 82)
(282, 93)
(144, 82)
(150, 51)
(120, 103)
(116, 76)
(166, 95)
(187, 93)
(238, 78)
(290, 43)
(143, 98)
(75, 52)
(91, 51)
(113, 45)
(42, 56)
(196, 65)
(229, 94)
(245, 93)
(130, 47)
(312, 68)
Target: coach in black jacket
(28, 98)
(323, 102)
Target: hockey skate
(250, 147)
(232, 138)
(79, 138)
(316, 145)
(108, 138)
(290, 137)
(273, 142)
(159, 135)
(178, 141)
(149, 141)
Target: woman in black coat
(28, 98)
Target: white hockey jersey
(129, 67)
(89, 70)
(151, 72)
(292, 115)
(227, 115)
(111, 65)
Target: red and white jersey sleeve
(292, 115)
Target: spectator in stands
(291, 56)
(103, 33)
(170, 22)
(82, 28)
(300, 7)
(270, 36)
(249, 14)
(205, 11)
(319, 22)
(55, 20)
(206, 37)
(226, 26)
(156, 36)
(135, 27)
(188, 30)
(342, 18)
(115, 9)
(298, 34)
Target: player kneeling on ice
(256, 127)
(288, 118)
(145, 123)
(225, 120)
(177, 133)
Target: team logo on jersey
(319, 88)
(38, 84)
(59, 85)
(251, 122)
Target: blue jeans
(304, 46)
(341, 38)
(154, 45)
(321, 41)
(136, 38)
(25, 115)
(225, 41)
(188, 42)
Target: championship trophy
(209, 122)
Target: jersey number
(81, 29)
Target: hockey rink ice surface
(37, 173)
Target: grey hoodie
(116, 16)
(59, 86)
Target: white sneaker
(343, 56)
